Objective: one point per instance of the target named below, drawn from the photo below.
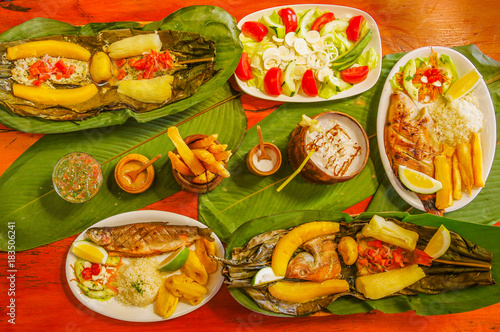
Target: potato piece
(165, 302)
(448, 150)
(348, 249)
(204, 249)
(464, 154)
(100, 67)
(444, 198)
(218, 168)
(204, 143)
(185, 152)
(182, 285)
(224, 155)
(133, 46)
(456, 178)
(194, 269)
(390, 232)
(216, 148)
(477, 160)
(299, 292)
(154, 91)
(379, 285)
(179, 165)
(204, 156)
(63, 97)
(203, 178)
(193, 300)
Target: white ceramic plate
(113, 308)
(340, 12)
(488, 134)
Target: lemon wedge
(417, 181)
(89, 251)
(439, 243)
(463, 85)
(175, 260)
(264, 276)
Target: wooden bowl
(186, 181)
(265, 167)
(129, 163)
(325, 167)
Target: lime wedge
(175, 260)
(417, 181)
(463, 85)
(264, 276)
(89, 251)
(439, 243)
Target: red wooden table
(43, 300)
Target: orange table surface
(43, 300)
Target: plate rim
(376, 42)
(489, 113)
(141, 216)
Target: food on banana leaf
(73, 78)
(381, 268)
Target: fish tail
(429, 203)
(207, 234)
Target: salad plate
(487, 134)
(113, 308)
(340, 12)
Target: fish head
(100, 236)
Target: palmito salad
(309, 52)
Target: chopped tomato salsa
(43, 69)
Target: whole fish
(410, 140)
(144, 239)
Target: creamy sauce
(340, 147)
(133, 165)
(265, 165)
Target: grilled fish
(144, 239)
(410, 140)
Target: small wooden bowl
(129, 163)
(297, 150)
(185, 181)
(253, 164)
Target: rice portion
(138, 282)
(456, 121)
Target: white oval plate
(113, 308)
(340, 12)
(488, 134)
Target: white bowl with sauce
(264, 167)
(342, 149)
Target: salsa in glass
(77, 177)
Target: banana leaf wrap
(257, 253)
(182, 45)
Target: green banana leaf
(246, 196)
(41, 216)
(212, 22)
(482, 209)
(425, 305)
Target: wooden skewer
(462, 263)
(194, 61)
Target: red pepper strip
(322, 20)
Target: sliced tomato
(309, 84)
(289, 19)
(243, 70)
(255, 30)
(322, 20)
(353, 31)
(272, 81)
(355, 75)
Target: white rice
(138, 282)
(456, 121)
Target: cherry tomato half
(289, 19)
(255, 30)
(95, 269)
(244, 70)
(272, 81)
(309, 84)
(87, 273)
(353, 31)
(322, 20)
(355, 75)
